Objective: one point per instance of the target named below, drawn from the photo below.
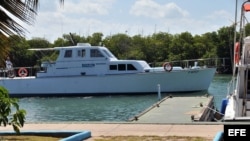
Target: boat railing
(223, 65)
(29, 71)
(231, 86)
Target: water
(105, 108)
(219, 88)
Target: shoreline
(201, 129)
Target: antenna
(155, 29)
(62, 29)
(71, 39)
(234, 23)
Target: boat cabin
(84, 59)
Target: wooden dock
(178, 110)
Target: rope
(214, 110)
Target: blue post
(159, 92)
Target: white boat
(93, 70)
(236, 106)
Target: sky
(132, 17)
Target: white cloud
(150, 8)
(89, 7)
(71, 17)
(85, 17)
(221, 14)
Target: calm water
(104, 108)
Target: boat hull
(175, 81)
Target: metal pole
(235, 31)
(159, 92)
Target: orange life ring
(237, 53)
(167, 66)
(22, 72)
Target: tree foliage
(14, 11)
(159, 47)
(10, 114)
(22, 10)
(11, 13)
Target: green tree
(71, 39)
(59, 42)
(4, 49)
(161, 48)
(36, 57)
(177, 48)
(148, 49)
(199, 46)
(95, 39)
(39, 43)
(137, 45)
(211, 42)
(19, 54)
(247, 29)
(11, 13)
(188, 46)
(225, 44)
(119, 44)
(10, 114)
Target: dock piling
(159, 92)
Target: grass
(28, 138)
(105, 138)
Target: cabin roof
(67, 47)
(41, 49)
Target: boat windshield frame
(108, 53)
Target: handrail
(4, 71)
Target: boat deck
(28, 77)
(178, 110)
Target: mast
(235, 31)
(235, 21)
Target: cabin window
(112, 67)
(81, 53)
(108, 53)
(95, 53)
(121, 67)
(68, 54)
(130, 67)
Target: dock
(178, 110)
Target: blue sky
(145, 17)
